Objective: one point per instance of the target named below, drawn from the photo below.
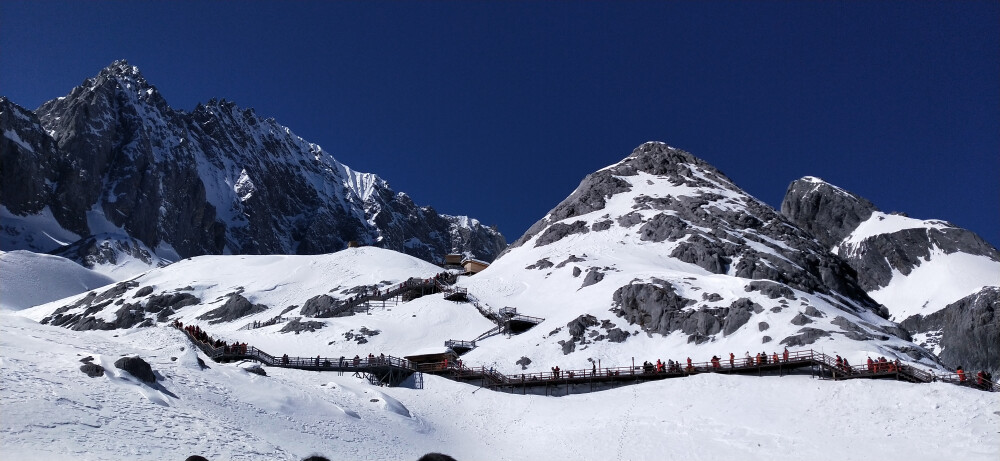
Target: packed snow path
(393, 371)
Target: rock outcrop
(220, 179)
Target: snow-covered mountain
(662, 256)
(658, 256)
(113, 158)
(941, 282)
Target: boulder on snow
(235, 307)
(92, 369)
(137, 367)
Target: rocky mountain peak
(220, 179)
(678, 204)
(826, 211)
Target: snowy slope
(626, 260)
(53, 411)
(28, 279)
(281, 282)
(932, 280)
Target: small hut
(473, 266)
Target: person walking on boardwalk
(732, 360)
(961, 375)
(689, 367)
(784, 355)
(748, 359)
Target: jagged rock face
(714, 225)
(907, 264)
(853, 226)
(967, 332)
(681, 256)
(97, 250)
(878, 257)
(824, 210)
(219, 179)
(29, 161)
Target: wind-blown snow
(28, 279)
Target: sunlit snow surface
(53, 411)
(28, 279)
(939, 280)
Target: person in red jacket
(961, 374)
(732, 360)
(784, 355)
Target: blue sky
(896, 101)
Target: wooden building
(473, 266)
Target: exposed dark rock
(558, 231)
(235, 308)
(571, 259)
(567, 346)
(617, 335)
(765, 339)
(630, 219)
(543, 263)
(878, 257)
(663, 227)
(594, 275)
(523, 362)
(805, 337)
(813, 312)
(702, 253)
(970, 330)
(763, 326)
(577, 272)
(601, 225)
(737, 316)
(127, 316)
(578, 326)
(137, 367)
(297, 326)
(92, 369)
(853, 330)
(770, 289)
(655, 307)
(824, 210)
(801, 319)
(711, 297)
(171, 301)
(144, 291)
(256, 369)
(320, 306)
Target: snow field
(53, 411)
